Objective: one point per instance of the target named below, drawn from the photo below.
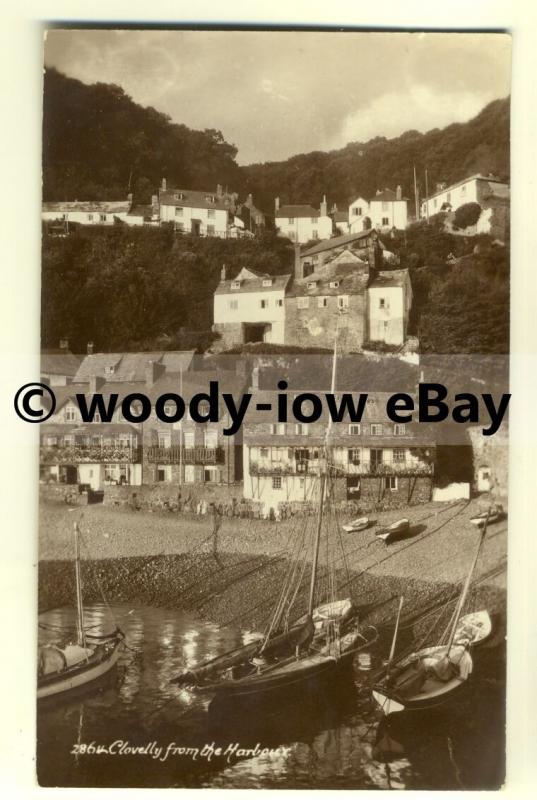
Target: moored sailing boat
(76, 664)
(431, 676)
(315, 646)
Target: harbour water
(136, 729)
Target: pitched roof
(99, 206)
(191, 199)
(297, 211)
(349, 281)
(253, 284)
(337, 241)
(131, 366)
(145, 211)
(386, 195)
(59, 362)
(340, 216)
(394, 277)
(477, 177)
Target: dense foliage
(99, 144)
(466, 215)
(142, 288)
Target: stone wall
(316, 327)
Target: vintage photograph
(273, 466)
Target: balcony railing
(410, 468)
(92, 454)
(185, 455)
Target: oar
(392, 650)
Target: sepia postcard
(273, 409)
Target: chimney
(299, 274)
(249, 201)
(219, 191)
(334, 208)
(153, 372)
(129, 198)
(90, 348)
(164, 184)
(64, 344)
(96, 382)
(324, 207)
(277, 204)
(223, 273)
(398, 193)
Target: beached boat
(62, 668)
(396, 530)
(359, 524)
(491, 515)
(432, 675)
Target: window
(209, 198)
(376, 430)
(399, 455)
(178, 212)
(385, 220)
(50, 441)
(178, 196)
(110, 369)
(382, 302)
(170, 409)
(343, 301)
(102, 217)
(263, 303)
(301, 429)
(357, 211)
(390, 483)
(303, 302)
(354, 429)
(70, 414)
(210, 230)
(164, 439)
(355, 455)
(277, 428)
(276, 482)
(312, 284)
(189, 439)
(334, 284)
(399, 430)
(291, 221)
(263, 452)
(235, 284)
(279, 302)
(90, 217)
(210, 213)
(267, 281)
(322, 302)
(211, 438)
(301, 483)
(190, 473)
(233, 304)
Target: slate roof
(340, 216)
(477, 177)
(59, 362)
(98, 206)
(349, 282)
(255, 284)
(394, 277)
(131, 366)
(297, 211)
(336, 241)
(191, 199)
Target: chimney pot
(164, 184)
(398, 193)
(223, 273)
(277, 204)
(90, 348)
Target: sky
(276, 94)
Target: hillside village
(187, 284)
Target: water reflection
(335, 738)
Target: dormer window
(334, 284)
(110, 369)
(235, 284)
(267, 281)
(312, 284)
(178, 196)
(210, 198)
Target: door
(376, 458)
(195, 227)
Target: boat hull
(79, 675)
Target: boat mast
(466, 587)
(81, 636)
(322, 487)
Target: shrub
(466, 215)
